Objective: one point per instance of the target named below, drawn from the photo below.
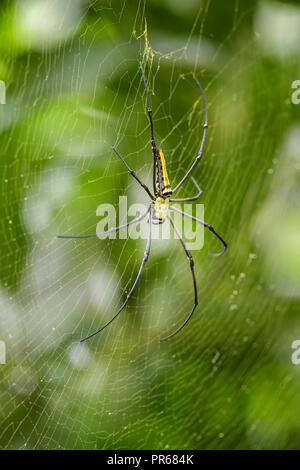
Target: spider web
(74, 90)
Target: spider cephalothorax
(159, 208)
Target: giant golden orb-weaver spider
(160, 207)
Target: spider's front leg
(145, 259)
(113, 229)
(190, 258)
(206, 225)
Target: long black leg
(194, 198)
(190, 258)
(154, 148)
(113, 229)
(145, 258)
(149, 108)
(134, 175)
(205, 224)
(198, 158)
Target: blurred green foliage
(73, 89)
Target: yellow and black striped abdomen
(163, 182)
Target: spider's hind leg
(134, 175)
(199, 156)
(193, 198)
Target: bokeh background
(74, 89)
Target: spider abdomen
(163, 187)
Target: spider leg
(190, 258)
(134, 175)
(194, 198)
(198, 158)
(145, 258)
(154, 148)
(205, 224)
(113, 229)
(149, 108)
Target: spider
(160, 207)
